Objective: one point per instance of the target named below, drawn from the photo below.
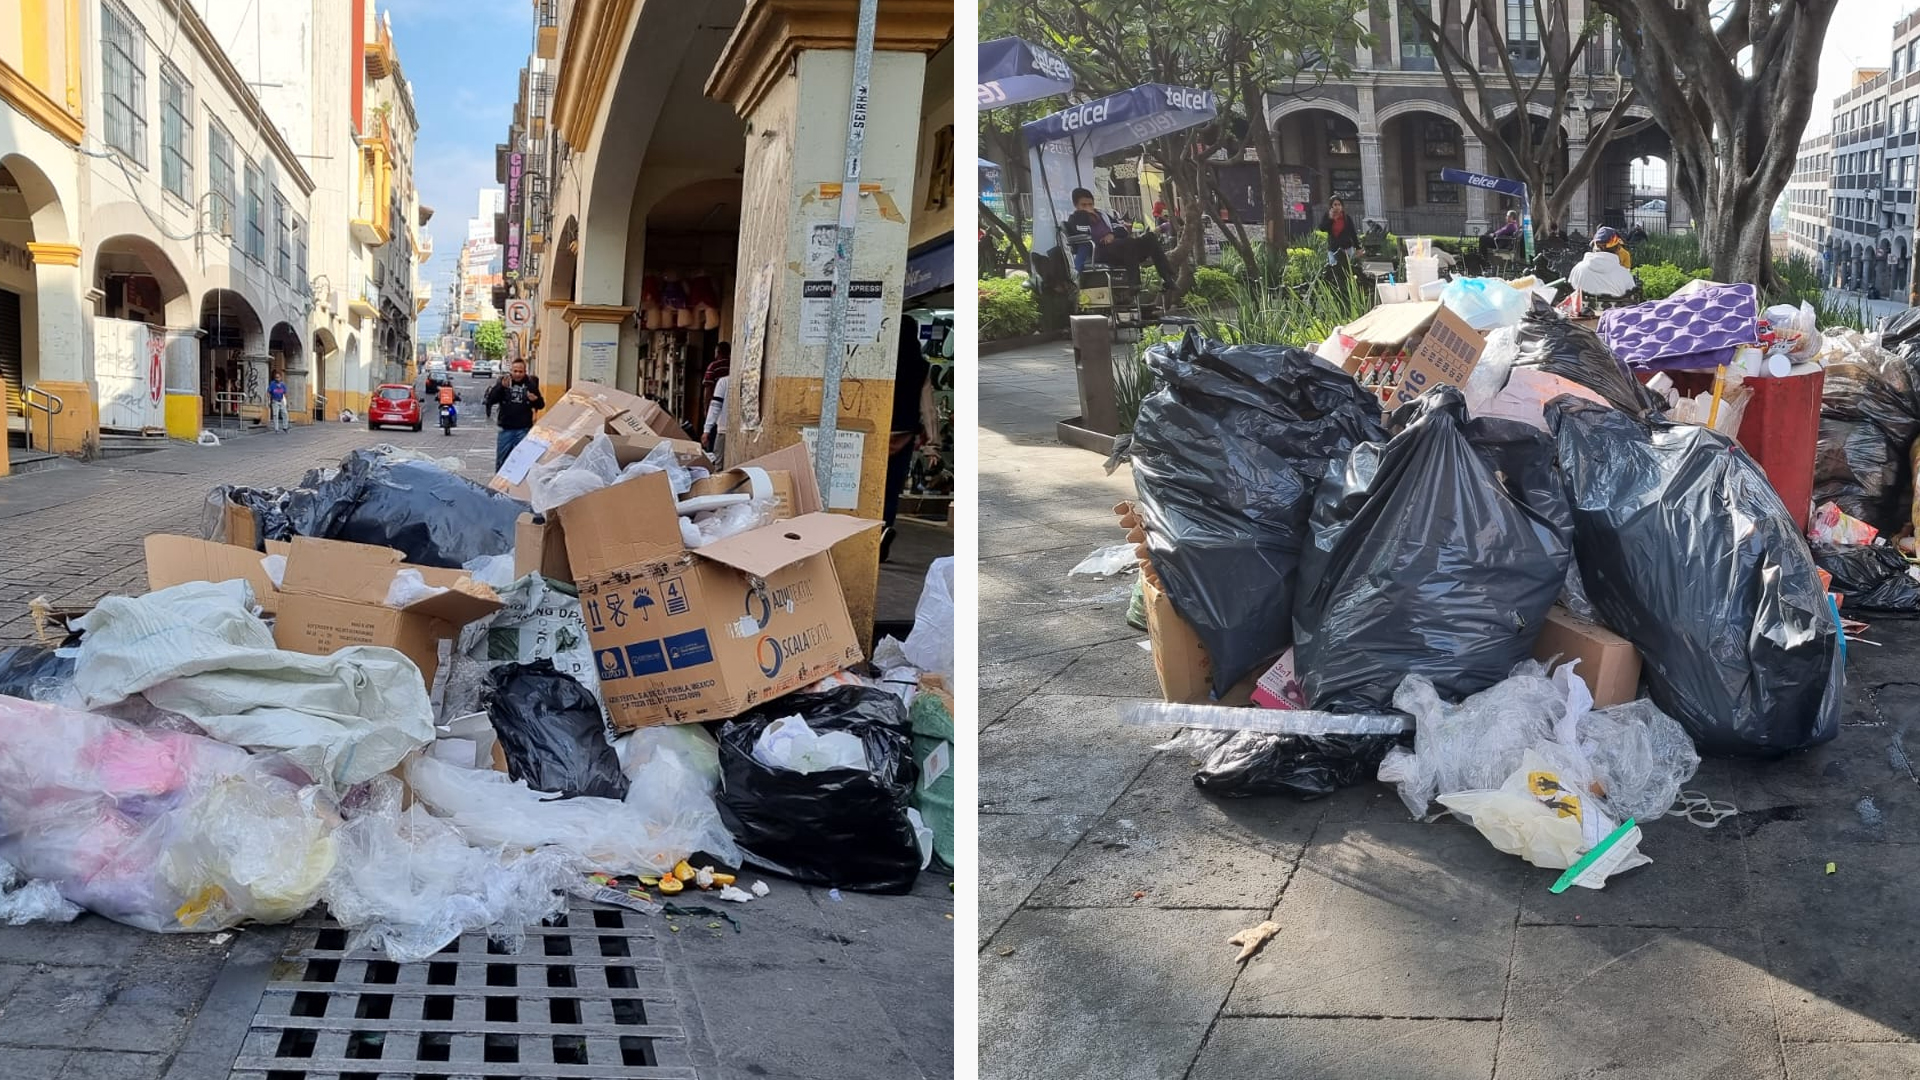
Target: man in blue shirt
(277, 397)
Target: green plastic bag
(932, 718)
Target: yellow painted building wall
(40, 51)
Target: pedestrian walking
(277, 399)
(513, 401)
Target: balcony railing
(546, 42)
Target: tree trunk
(1260, 135)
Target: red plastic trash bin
(1780, 430)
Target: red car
(461, 364)
(394, 403)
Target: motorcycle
(449, 417)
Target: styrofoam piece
(1271, 721)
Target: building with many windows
(1807, 196)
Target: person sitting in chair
(1113, 243)
(1504, 237)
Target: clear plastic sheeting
(1226, 455)
(157, 829)
(1484, 303)
(494, 571)
(409, 587)
(198, 651)
(1438, 553)
(1633, 757)
(667, 815)
(410, 884)
(1269, 721)
(1736, 635)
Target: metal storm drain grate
(586, 997)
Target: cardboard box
(635, 425)
(334, 595)
(1403, 350)
(1181, 661)
(176, 560)
(1609, 664)
(540, 547)
(691, 635)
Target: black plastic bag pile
(1874, 576)
(432, 516)
(1687, 552)
(1560, 347)
(1226, 456)
(845, 828)
(1306, 767)
(1437, 553)
(1869, 418)
(551, 731)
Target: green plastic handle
(1599, 849)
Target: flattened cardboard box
(334, 595)
(683, 635)
(1181, 661)
(635, 425)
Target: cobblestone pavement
(94, 1000)
(1774, 946)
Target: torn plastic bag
(929, 646)
(1869, 418)
(1875, 577)
(431, 516)
(410, 884)
(1559, 347)
(1634, 757)
(551, 731)
(34, 673)
(1687, 552)
(197, 650)
(844, 828)
(667, 815)
(1226, 456)
(1303, 766)
(23, 901)
(1437, 553)
(157, 829)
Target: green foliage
(1661, 280)
(491, 339)
(1678, 249)
(1008, 308)
(1212, 285)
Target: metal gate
(12, 353)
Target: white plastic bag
(1542, 814)
(1489, 375)
(1107, 561)
(410, 587)
(790, 743)
(197, 650)
(493, 571)
(558, 482)
(409, 883)
(930, 646)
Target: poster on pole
(848, 447)
(753, 349)
(865, 312)
(599, 361)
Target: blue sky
(463, 59)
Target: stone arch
(45, 210)
(1299, 105)
(562, 277)
(1438, 108)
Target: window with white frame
(123, 83)
(255, 243)
(176, 133)
(283, 242)
(219, 178)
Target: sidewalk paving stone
(1332, 1048)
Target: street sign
(519, 313)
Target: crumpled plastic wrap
(1635, 756)
(1227, 453)
(24, 900)
(409, 587)
(668, 814)
(160, 830)
(409, 883)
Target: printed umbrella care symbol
(770, 656)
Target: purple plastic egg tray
(1693, 332)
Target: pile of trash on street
(1525, 566)
(438, 707)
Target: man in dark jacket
(513, 401)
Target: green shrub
(1212, 285)
(1661, 280)
(1304, 264)
(1008, 308)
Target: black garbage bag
(1869, 417)
(1226, 456)
(1303, 766)
(1902, 329)
(430, 515)
(551, 731)
(844, 828)
(1560, 347)
(1437, 553)
(1687, 552)
(28, 670)
(1875, 576)
(269, 506)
